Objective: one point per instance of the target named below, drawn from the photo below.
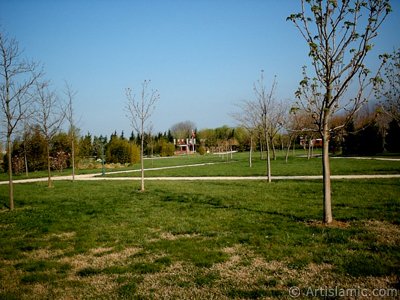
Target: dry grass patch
(170, 236)
(334, 224)
(385, 232)
(95, 261)
(246, 275)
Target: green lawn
(196, 240)
(239, 166)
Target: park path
(231, 178)
(98, 177)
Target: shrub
(201, 150)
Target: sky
(203, 56)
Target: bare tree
(183, 130)
(276, 118)
(139, 110)
(17, 79)
(294, 125)
(339, 35)
(49, 116)
(70, 94)
(248, 118)
(264, 104)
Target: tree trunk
(273, 149)
(268, 159)
(326, 173)
(26, 165)
(26, 159)
(294, 147)
(309, 148)
(251, 152)
(288, 149)
(142, 162)
(10, 176)
(73, 157)
(50, 184)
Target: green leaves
(313, 49)
(349, 24)
(294, 17)
(315, 9)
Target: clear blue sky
(203, 56)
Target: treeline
(370, 138)
(29, 149)
(366, 133)
(119, 149)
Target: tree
(298, 123)
(182, 130)
(86, 146)
(139, 110)
(389, 89)
(339, 35)
(276, 119)
(70, 94)
(49, 116)
(17, 79)
(248, 118)
(36, 149)
(119, 150)
(264, 104)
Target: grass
(196, 239)
(238, 166)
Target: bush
(167, 149)
(201, 150)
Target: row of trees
(28, 101)
(368, 133)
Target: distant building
(186, 146)
(316, 143)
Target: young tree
(70, 94)
(248, 118)
(17, 78)
(264, 104)
(139, 110)
(339, 35)
(49, 116)
(276, 119)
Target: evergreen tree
(86, 146)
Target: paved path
(97, 177)
(367, 158)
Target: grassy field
(197, 240)
(239, 166)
